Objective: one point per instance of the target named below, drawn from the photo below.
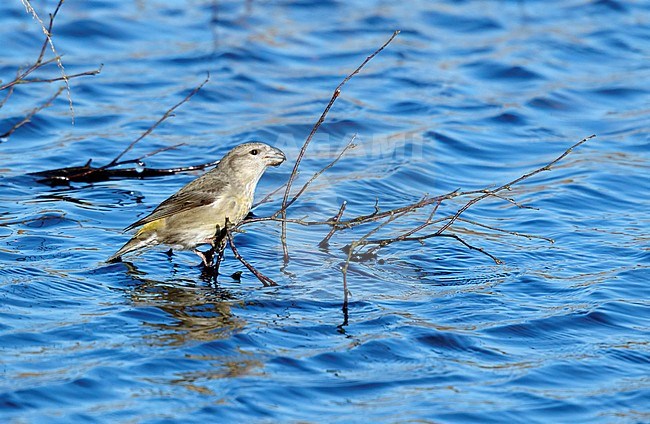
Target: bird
(198, 212)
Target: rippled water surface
(470, 94)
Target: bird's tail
(139, 241)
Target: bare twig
(153, 127)
(353, 222)
(337, 218)
(348, 146)
(88, 173)
(346, 292)
(266, 281)
(471, 247)
(429, 221)
(48, 40)
(66, 78)
(363, 241)
(31, 114)
(39, 60)
(384, 218)
(508, 199)
(408, 236)
(345, 272)
(162, 149)
(7, 96)
(139, 162)
(220, 252)
(269, 196)
(413, 207)
(483, 194)
(387, 241)
(303, 149)
(507, 186)
(501, 230)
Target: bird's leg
(207, 257)
(220, 249)
(218, 243)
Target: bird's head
(250, 160)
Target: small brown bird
(196, 212)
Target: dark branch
(266, 281)
(90, 174)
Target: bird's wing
(177, 203)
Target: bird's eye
(254, 152)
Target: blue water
(471, 94)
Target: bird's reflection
(196, 312)
(200, 312)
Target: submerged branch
(91, 174)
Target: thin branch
(501, 230)
(469, 246)
(325, 242)
(48, 40)
(341, 225)
(348, 146)
(66, 78)
(483, 193)
(39, 60)
(380, 226)
(363, 241)
(426, 223)
(269, 196)
(509, 200)
(303, 149)
(346, 292)
(429, 221)
(506, 186)
(266, 281)
(9, 93)
(377, 215)
(88, 173)
(220, 253)
(302, 222)
(155, 152)
(153, 127)
(162, 149)
(386, 242)
(31, 114)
